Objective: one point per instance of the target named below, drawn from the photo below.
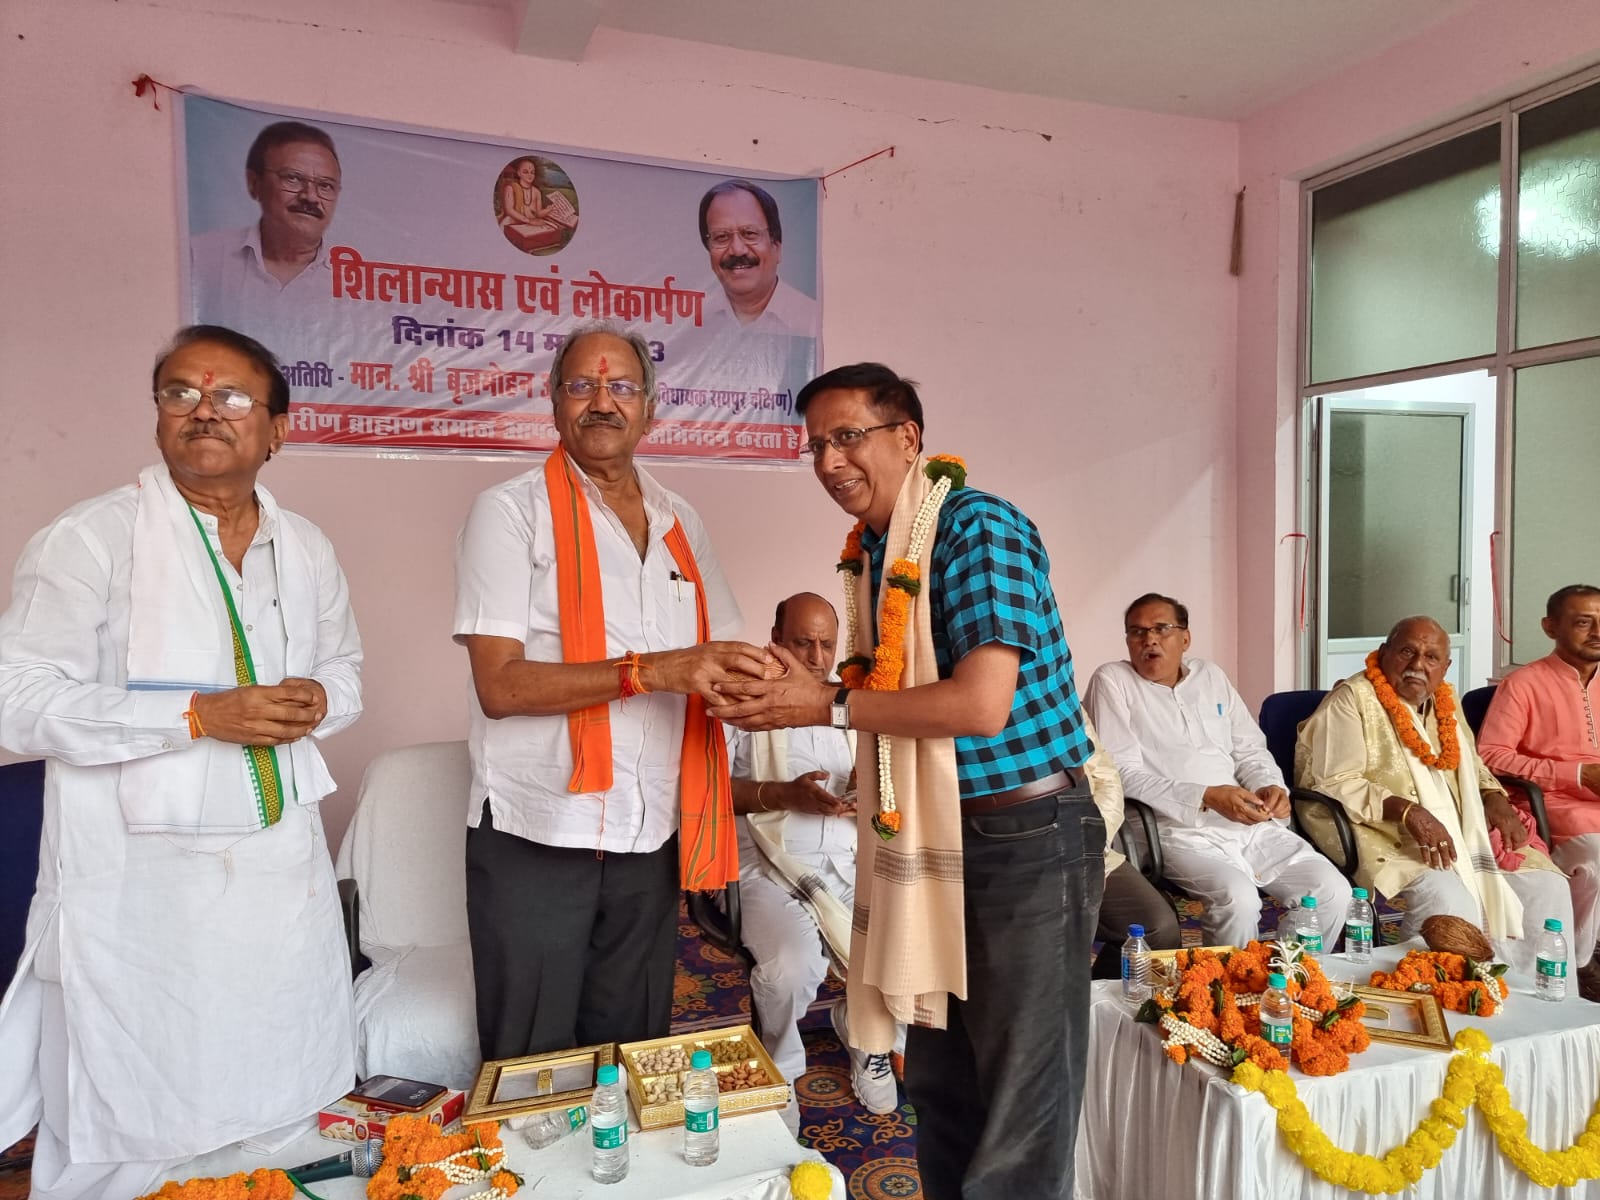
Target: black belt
(1048, 786)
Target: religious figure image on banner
(536, 205)
(416, 283)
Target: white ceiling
(1207, 58)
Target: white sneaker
(871, 1075)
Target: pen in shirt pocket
(677, 583)
(1219, 708)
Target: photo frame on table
(1404, 1018)
(515, 1087)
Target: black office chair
(1474, 707)
(1144, 852)
(1281, 716)
(721, 926)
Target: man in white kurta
(1186, 745)
(185, 982)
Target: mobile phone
(396, 1094)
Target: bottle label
(1311, 943)
(1279, 1033)
(1358, 933)
(1552, 968)
(577, 1117)
(609, 1137)
(700, 1122)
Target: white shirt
(506, 587)
(232, 287)
(205, 980)
(788, 310)
(806, 835)
(1170, 744)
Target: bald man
(797, 855)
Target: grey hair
(1394, 631)
(641, 351)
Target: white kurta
(506, 587)
(1170, 744)
(204, 978)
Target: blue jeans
(997, 1093)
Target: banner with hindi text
(416, 285)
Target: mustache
(200, 429)
(732, 261)
(602, 418)
(309, 207)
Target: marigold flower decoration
(422, 1162)
(1444, 707)
(810, 1180)
(884, 670)
(1470, 1079)
(1457, 982)
(1214, 1011)
(260, 1184)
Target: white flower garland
(465, 1173)
(926, 520)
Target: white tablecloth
(756, 1155)
(1151, 1129)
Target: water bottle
(1277, 1014)
(547, 1128)
(1358, 927)
(1287, 937)
(1136, 966)
(701, 1137)
(1550, 963)
(608, 1121)
(1307, 928)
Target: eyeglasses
(179, 400)
(1136, 632)
(620, 390)
(293, 181)
(721, 239)
(844, 439)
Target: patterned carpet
(877, 1155)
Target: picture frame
(1404, 1018)
(515, 1087)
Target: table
(1153, 1129)
(757, 1152)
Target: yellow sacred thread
(1471, 1079)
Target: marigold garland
(1215, 1011)
(1471, 1079)
(260, 1184)
(810, 1180)
(883, 671)
(1444, 707)
(1457, 982)
(422, 1162)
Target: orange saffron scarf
(708, 848)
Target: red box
(349, 1120)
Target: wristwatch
(839, 710)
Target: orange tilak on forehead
(604, 365)
(209, 376)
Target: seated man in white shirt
(797, 860)
(1186, 746)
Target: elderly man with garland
(1434, 829)
(980, 866)
(588, 597)
(1541, 726)
(175, 648)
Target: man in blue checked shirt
(980, 850)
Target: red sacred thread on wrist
(196, 730)
(629, 682)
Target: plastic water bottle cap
(1276, 981)
(1135, 931)
(701, 1060)
(606, 1075)
(1308, 902)
(1359, 893)
(1553, 924)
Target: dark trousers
(998, 1093)
(569, 948)
(1131, 899)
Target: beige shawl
(908, 946)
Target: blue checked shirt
(990, 582)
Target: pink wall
(1461, 66)
(1055, 273)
